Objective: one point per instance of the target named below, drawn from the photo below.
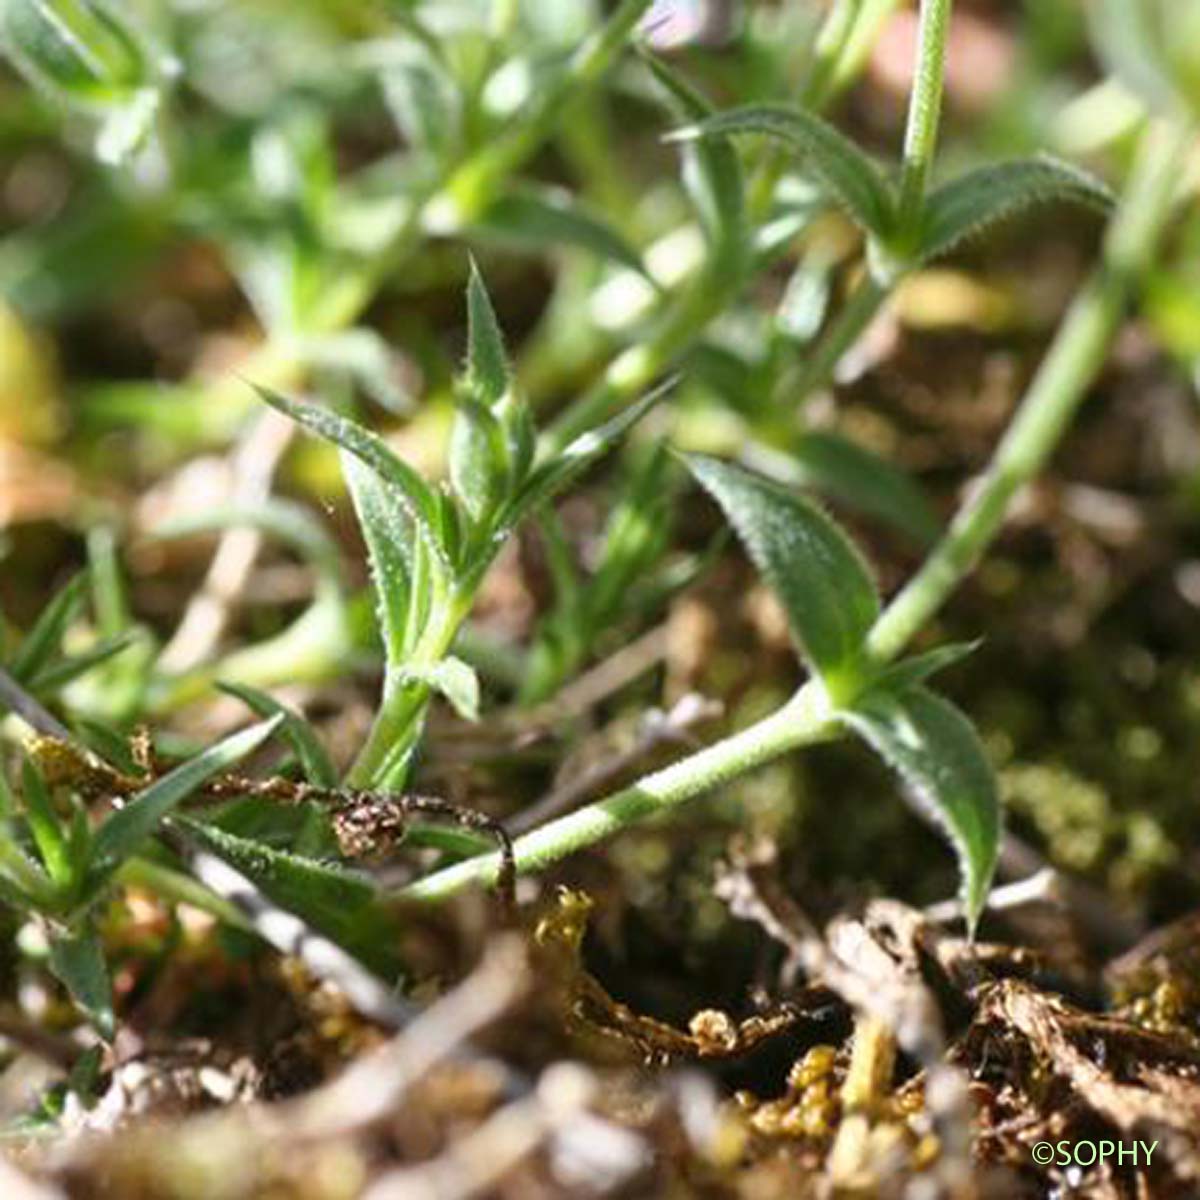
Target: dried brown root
(593, 1014)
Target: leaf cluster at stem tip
(951, 213)
(430, 545)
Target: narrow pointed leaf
(712, 171)
(487, 363)
(342, 905)
(845, 471)
(412, 492)
(842, 169)
(937, 753)
(557, 472)
(539, 217)
(386, 528)
(58, 674)
(979, 199)
(451, 678)
(811, 565)
(899, 676)
(49, 834)
(77, 959)
(128, 827)
(43, 640)
(318, 768)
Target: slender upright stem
(1069, 368)
(1075, 357)
(384, 758)
(848, 326)
(924, 110)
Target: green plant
(905, 224)
(846, 641)
(57, 866)
(429, 547)
(315, 231)
(85, 54)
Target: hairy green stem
(1073, 361)
(386, 753)
(924, 112)
(805, 719)
(384, 758)
(1071, 365)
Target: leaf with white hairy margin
(814, 569)
(77, 960)
(487, 376)
(981, 198)
(938, 755)
(417, 497)
(843, 170)
(341, 904)
(386, 526)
